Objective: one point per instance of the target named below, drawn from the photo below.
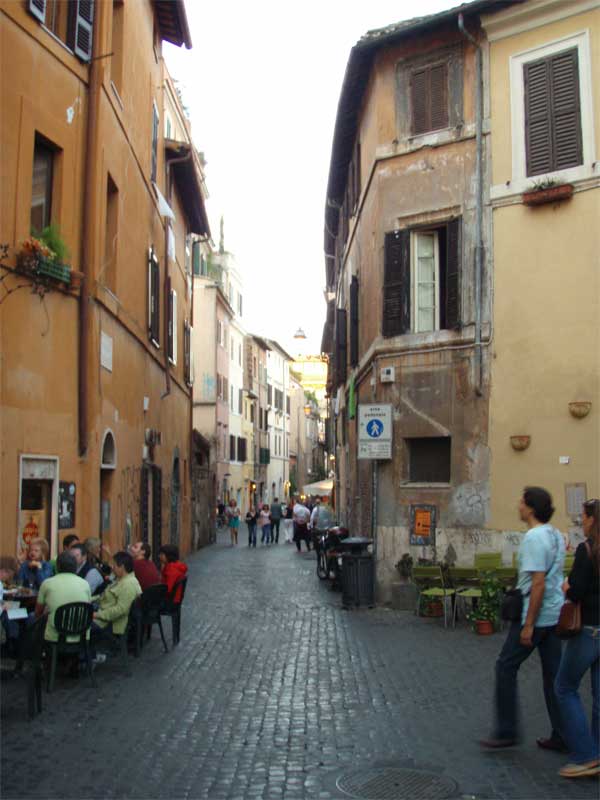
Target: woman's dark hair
(146, 550)
(170, 551)
(540, 502)
(69, 539)
(123, 559)
(592, 509)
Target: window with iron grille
(421, 282)
(429, 459)
(553, 138)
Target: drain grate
(393, 783)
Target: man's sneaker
(497, 744)
(580, 770)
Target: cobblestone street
(274, 692)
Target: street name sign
(375, 431)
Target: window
(354, 321)
(269, 395)
(287, 405)
(41, 186)
(188, 365)
(429, 460)
(552, 113)
(154, 162)
(240, 400)
(231, 392)
(421, 284)
(341, 347)
(219, 332)
(231, 447)
(240, 354)
(239, 300)
(251, 412)
(153, 298)
(225, 389)
(109, 267)
(71, 22)
(429, 98)
(231, 347)
(116, 61)
(241, 449)
(172, 327)
(219, 387)
(188, 252)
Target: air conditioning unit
(387, 375)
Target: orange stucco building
(95, 387)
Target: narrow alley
(277, 692)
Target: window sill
(584, 177)
(424, 485)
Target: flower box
(551, 194)
(38, 265)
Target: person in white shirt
(86, 570)
(314, 517)
(301, 519)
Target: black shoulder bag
(512, 602)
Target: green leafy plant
(488, 605)
(51, 237)
(543, 183)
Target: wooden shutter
(187, 352)
(84, 29)
(153, 298)
(552, 113)
(341, 345)
(453, 272)
(144, 503)
(196, 257)
(38, 9)
(429, 98)
(396, 283)
(231, 447)
(156, 509)
(154, 165)
(354, 321)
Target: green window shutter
(196, 258)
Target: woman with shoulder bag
(582, 652)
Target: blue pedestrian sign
(375, 425)
(375, 428)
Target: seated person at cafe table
(65, 587)
(86, 570)
(70, 539)
(172, 569)
(36, 567)
(145, 569)
(114, 604)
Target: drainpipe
(479, 200)
(87, 248)
(166, 279)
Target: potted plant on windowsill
(43, 256)
(485, 615)
(547, 190)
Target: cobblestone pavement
(274, 692)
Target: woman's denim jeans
(266, 534)
(252, 534)
(581, 653)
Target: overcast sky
(262, 84)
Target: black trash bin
(358, 574)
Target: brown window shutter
(156, 509)
(566, 134)
(396, 284)
(438, 97)
(354, 321)
(538, 132)
(341, 345)
(419, 101)
(453, 271)
(144, 503)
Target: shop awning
(320, 488)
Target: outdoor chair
(30, 658)
(173, 609)
(119, 642)
(72, 621)
(147, 613)
(484, 562)
(429, 582)
(465, 581)
(568, 566)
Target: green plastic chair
(466, 584)
(484, 562)
(569, 559)
(507, 576)
(429, 582)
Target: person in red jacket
(172, 569)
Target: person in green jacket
(114, 604)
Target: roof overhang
(188, 184)
(261, 342)
(172, 22)
(200, 441)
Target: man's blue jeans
(512, 655)
(581, 653)
(252, 534)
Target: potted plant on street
(485, 615)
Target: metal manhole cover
(393, 783)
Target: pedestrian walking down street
(301, 520)
(541, 559)
(251, 523)
(276, 515)
(582, 652)
(264, 523)
(288, 522)
(232, 512)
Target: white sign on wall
(375, 426)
